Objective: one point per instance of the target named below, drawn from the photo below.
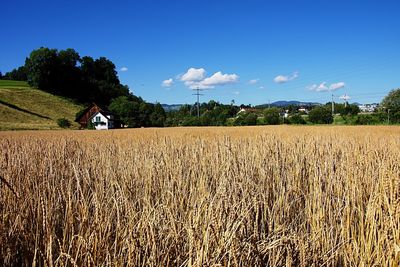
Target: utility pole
(333, 107)
(198, 100)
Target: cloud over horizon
(323, 87)
(286, 78)
(123, 69)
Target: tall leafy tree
(349, 110)
(68, 73)
(391, 103)
(392, 100)
(271, 116)
(42, 69)
(320, 115)
(101, 83)
(134, 112)
(158, 116)
(126, 110)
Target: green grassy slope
(23, 108)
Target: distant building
(248, 110)
(100, 118)
(368, 108)
(303, 110)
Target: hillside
(26, 108)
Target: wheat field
(248, 196)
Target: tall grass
(262, 196)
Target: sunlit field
(238, 196)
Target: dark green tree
(42, 67)
(18, 74)
(391, 106)
(126, 110)
(320, 115)
(246, 119)
(134, 112)
(158, 116)
(349, 110)
(101, 83)
(392, 100)
(367, 119)
(271, 116)
(68, 73)
(296, 119)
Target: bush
(246, 119)
(271, 116)
(91, 126)
(366, 119)
(250, 119)
(192, 121)
(63, 123)
(350, 110)
(297, 119)
(320, 115)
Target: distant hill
(26, 108)
(172, 107)
(288, 103)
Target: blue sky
(250, 51)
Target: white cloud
(197, 85)
(167, 83)
(123, 69)
(236, 93)
(262, 87)
(193, 75)
(323, 87)
(196, 78)
(219, 78)
(336, 86)
(254, 81)
(286, 78)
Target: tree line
(216, 114)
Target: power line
(198, 100)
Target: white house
(286, 114)
(103, 120)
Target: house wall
(111, 122)
(89, 113)
(104, 123)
